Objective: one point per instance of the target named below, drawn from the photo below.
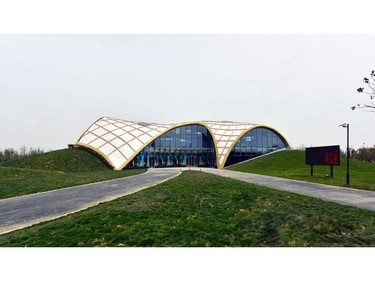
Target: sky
(54, 86)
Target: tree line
(364, 154)
(11, 153)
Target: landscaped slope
(64, 160)
(53, 170)
(291, 164)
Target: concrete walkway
(343, 195)
(19, 212)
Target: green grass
(291, 165)
(53, 170)
(198, 209)
(64, 160)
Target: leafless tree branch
(361, 90)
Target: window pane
(254, 143)
(172, 148)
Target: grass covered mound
(53, 170)
(291, 165)
(198, 209)
(64, 160)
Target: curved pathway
(19, 212)
(347, 196)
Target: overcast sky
(53, 87)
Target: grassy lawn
(198, 209)
(53, 170)
(291, 165)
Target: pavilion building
(128, 144)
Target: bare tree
(23, 151)
(10, 154)
(371, 92)
(33, 151)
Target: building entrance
(152, 162)
(185, 146)
(191, 161)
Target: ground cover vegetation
(198, 209)
(291, 165)
(53, 170)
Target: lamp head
(344, 125)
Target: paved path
(343, 195)
(27, 210)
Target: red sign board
(323, 155)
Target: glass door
(191, 161)
(152, 162)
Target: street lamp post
(346, 125)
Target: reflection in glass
(190, 145)
(254, 143)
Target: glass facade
(185, 146)
(254, 143)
